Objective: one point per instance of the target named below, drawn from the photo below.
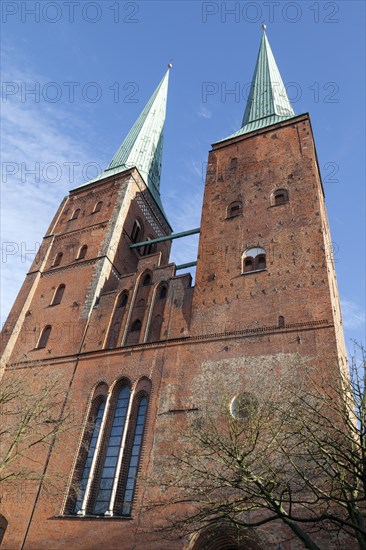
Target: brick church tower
(136, 344)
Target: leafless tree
(293, 450)
(32, 413)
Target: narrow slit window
(57, 260)
(75, 214)
(136, 232)
(82, 252)
(163, 292)
(42, 343)
(122, 302)
(58, 295)
(98, 207)
(146, 281)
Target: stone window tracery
(104, 480)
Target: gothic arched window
(122, 302)
(82, 252)
(163, 292)
(75, 214)
(104, 480)
(42, 342)
(253, 259)
(57, 259)
(111, 452)
(89, 448)
(146, 280)
(98, 207)
(58, 295)
(136, 232)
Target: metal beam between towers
(167, 238)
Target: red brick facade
(190, 340)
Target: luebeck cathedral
(137, 346)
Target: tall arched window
(98, 207)
(136, 232)
(280, 196)
(116, 323)
(109, 464)
(57, 259)
(281, 321)
(104, 481)
(253, 259)
(82, 252)
(42, 342)
(89, 451)
(3, 526)
(134, 457)
(75, 214)
(58, 295)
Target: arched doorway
(225, 537)
(3, 526)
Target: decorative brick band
(249, 332)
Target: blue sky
(77, 74)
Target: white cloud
(203, 112)
(38, 141)
(353, 315)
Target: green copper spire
(143, 146)
(267, 102)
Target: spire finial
(170, 65)
(264, 26)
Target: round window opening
(243, 405)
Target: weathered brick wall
(217, 339)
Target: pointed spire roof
(143, 146)
(268, 102)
